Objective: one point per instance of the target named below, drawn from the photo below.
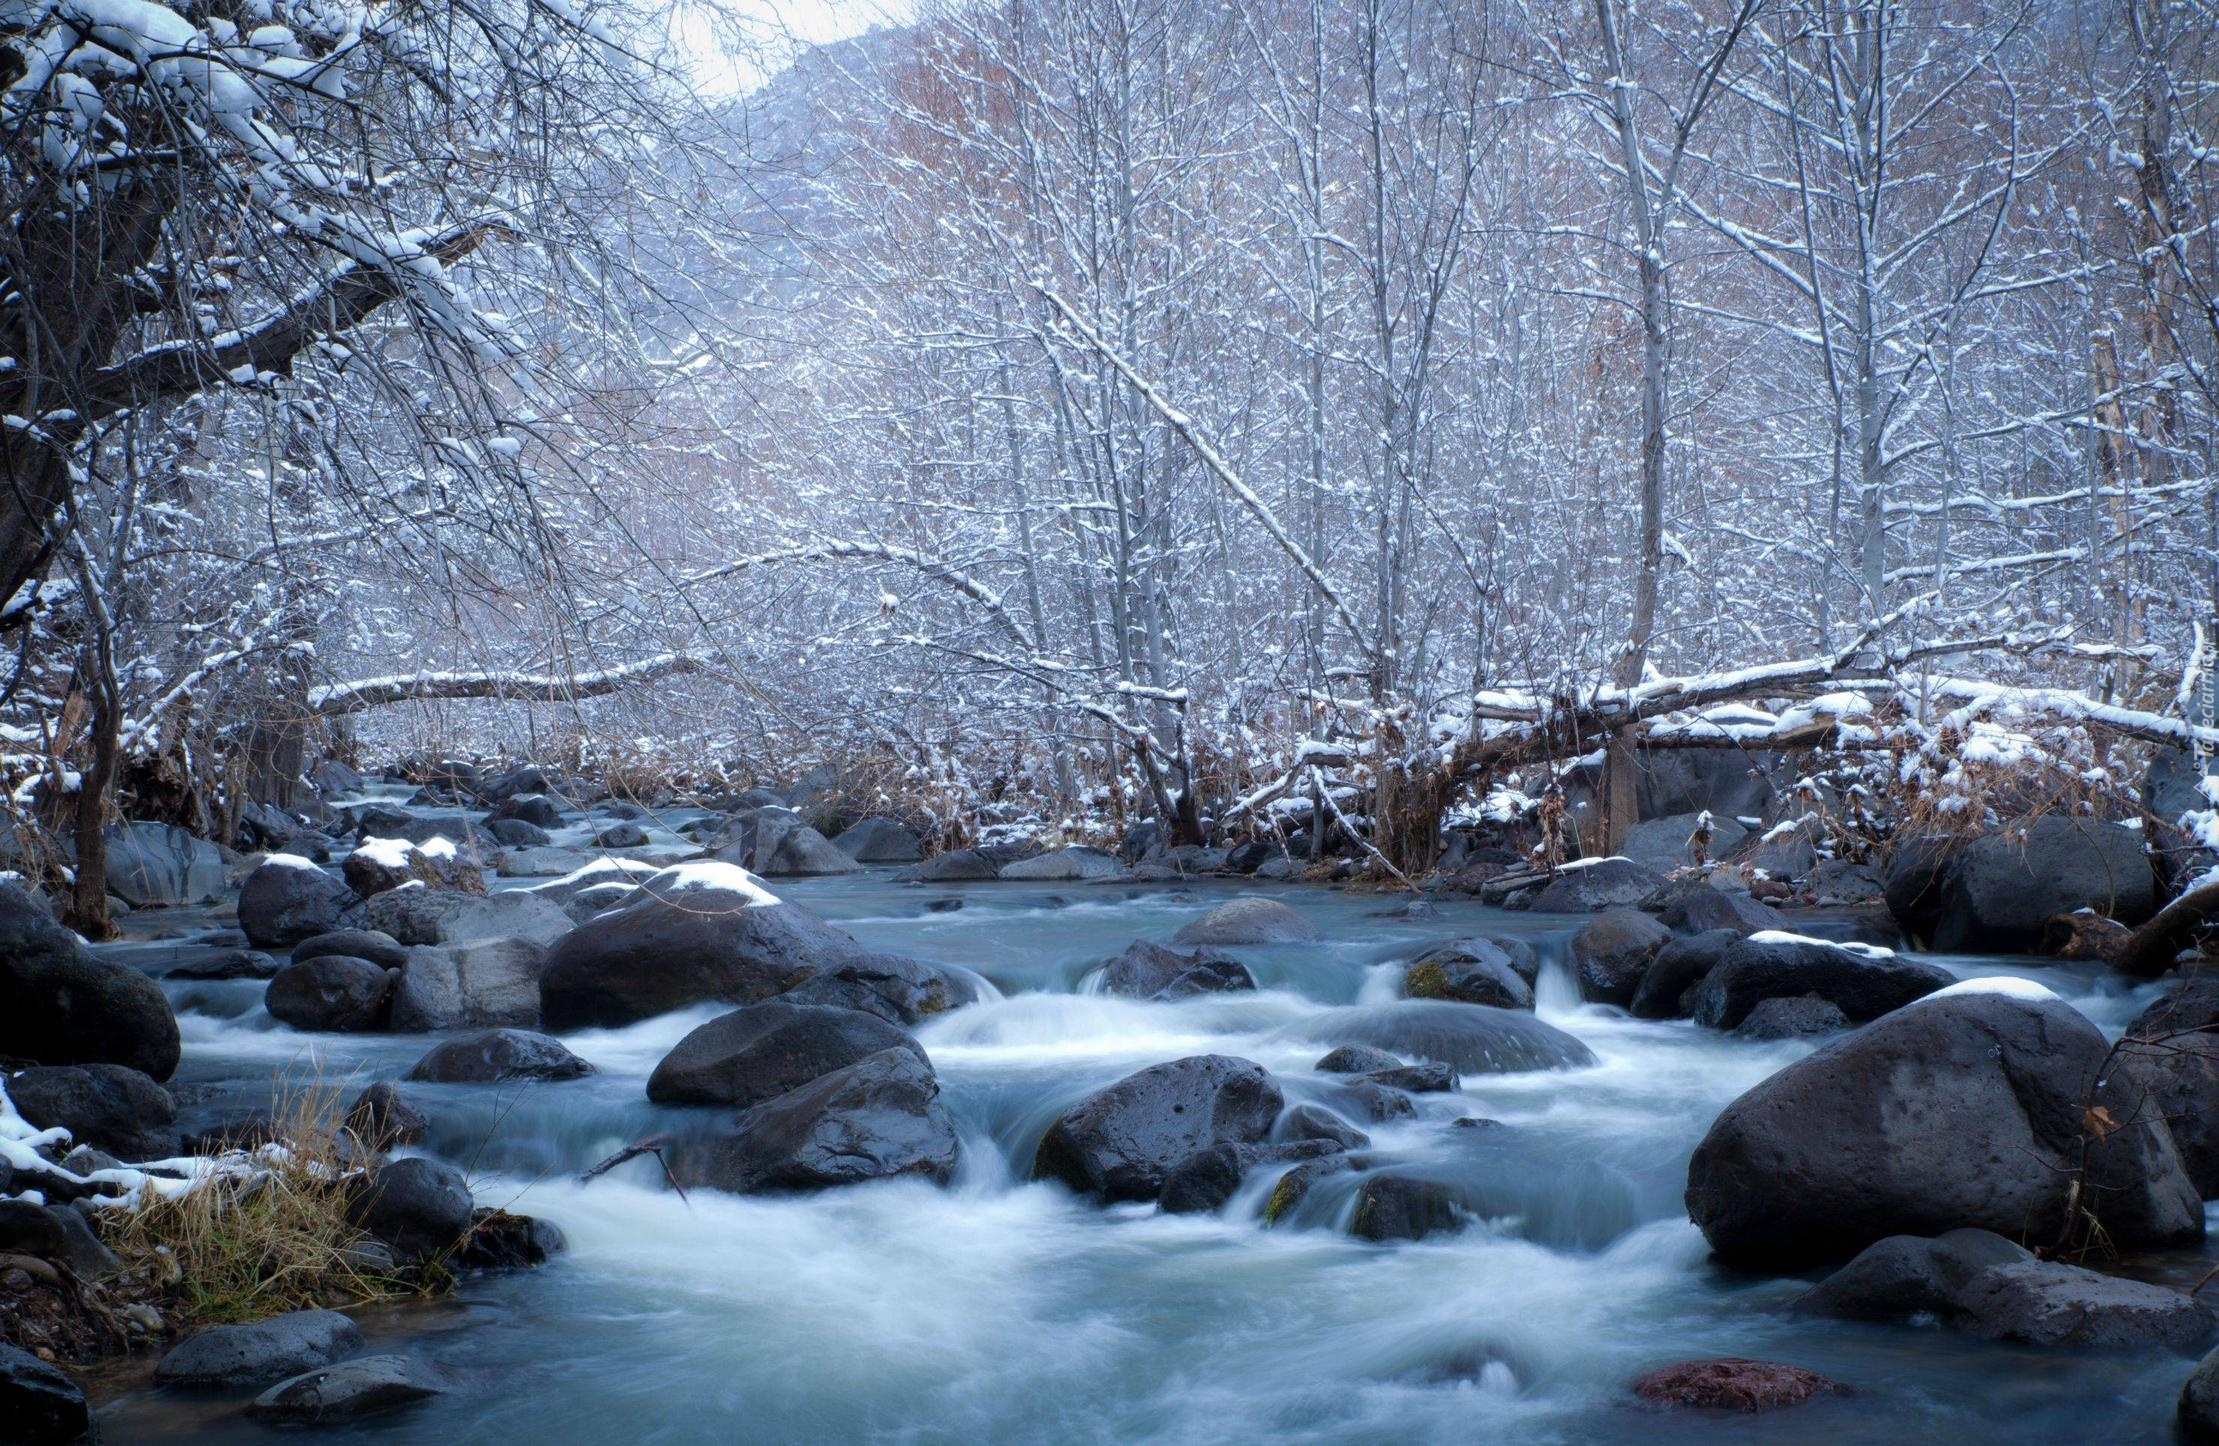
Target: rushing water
(1003, 1310)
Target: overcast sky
(740, 43)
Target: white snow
(291, 861)
(709, 875)
(1783, 936)
(2008, 985)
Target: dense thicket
(1101, 398)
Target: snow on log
(365, 693)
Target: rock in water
(492, 1056)
(159, 865)
(382, 1117)
(1611, 953)
(804, 851)
(1150, 971)
(1982, 1284)
(1120, 1142)
(1962, 1110)
(1588, 888)
(226, 1357)
(1469, 971)
(382, 950)
(1998, 893)
(41, 1405)
(62, 1004)
(694, 933)
(1859, 980)
(898, 990)
(1805, 1017)
(956, 866)
(1399, 1207)
(2196, 1420)
(1248, 921)
(287, 899)
(331, 992)
(766, 1050)
(476, 982)
(1064, 865)
(878, 840)
(2172, 1049)
(1679, 965)
(1732, 1384)
(349, 1391)
(879, 1118)
(419, 1207)
(1468, 1038)
(112, 1106)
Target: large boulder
(1727, 782)
(40, 1403)
(803, 852)
(110, 1106)
(160, 865)
(494, 1056)
(1065, 865)
(228, 1357)
(584, 874)
(475, 983)
(536, 809)
(1978, 1282)
(878, 1118)
(1968, 1108)
(62, 1004)
(1703, 909)
(287, 899)
(1468, 1038)
(765, 1050)
(417, 1206)
(331, 993)
(1592, 885)
(1150, 971)
(414, 914)
(878, 840)
(955, 866)
(693, 934)
(1471, 971)
(1996, 894)
(1121, 1141)
(1248, 921)
(1678, 966)
(1661, 844)
(1611, 953)
(1862, 981)
(2172, 1050)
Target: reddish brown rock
(1733, 1384)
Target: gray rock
(878, 840)
(1701, 910)
(2196, 1418)
(228, 1357)
(1150, 971)
(331, 993)
(1805, 1017)
(1611, 953)
(1065, 864)
(542, 862)
(533, 808)
(765, 1050)
(159, 865)
(956, 866)
(349, 1391)
(1592, 887)
(112, 1106)
(475, 983)
(1248, 921)
(287, 899)
(62, 1004)
(802, 851)
(1680, 964)
(382, 950)
(1469, 1038)
(1470, 971)
(1315, 1122)
(694, 934)
(900, 991)
(1960, 1111)
(1728, 782)
(417, 915)
(1400, 1207)
(2172, 1051)
(419, 1207)
(620, 836)
(1862, 985)
(1209, 1178)
(492, 1056)
(1995, 894)
(40, 1403)
(1356, 1059)
(1660, 844)
(382, 1117)
(1121, 1141)
(232, 964)
(515, 833)
(879, 1118)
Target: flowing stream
(1003, 1310)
